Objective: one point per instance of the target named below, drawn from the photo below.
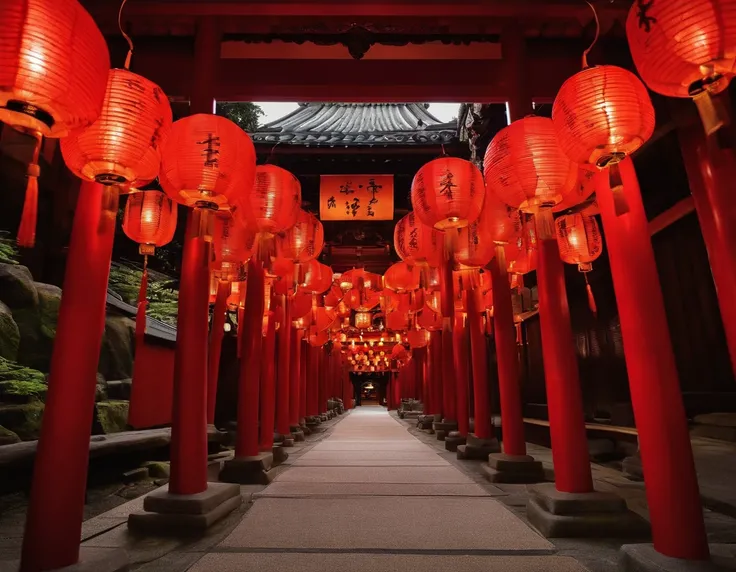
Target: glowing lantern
(207, 163)
(273, 204)
(233, 245)
(601, 115)
(301, 305)
(124, 144)
(53, 73)
(417, 243)
(303, 241)
(363, 320)
(149, 219)
(318, 339)
(401, 277)
(362, 301)
(429, 319)
(318, 277)
(500, 221)
(334, 296)
(417, 338)
(397, 321)
(399, 352)
(361, 279)
(583, 190)
(685, 48)
(447, 193)
(580, 243)
(322, 318)
(475, 248)
(521, 254)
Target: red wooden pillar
(303, 374)
(313, 381)
(507, 357)
(479, 360)
(250, 363)
(284, 365)
(435, 371)
(564, 397)
(206, 56)
(295, 356)
(56, 505)
(461, 372)
(321, 381)
(711, 170)
(671, 484)
(213, 356)
(448, 373)
(268, 387)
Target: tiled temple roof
(357, 124)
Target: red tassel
(591, 299)
(27, 229)
(140, 317)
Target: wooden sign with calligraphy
(356, 197)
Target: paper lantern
(124, 144)
(399, 352)
(363, 320)
(500, 221)
(361, 279)
(207, 162)
(401, 277)
(322, 318)
(318, 339)
(53, 73)
(236, 299)
(429, 319)
(397, 321)
(304, 240)
(475, 247)
(149, 219)
(411, 302)
(601, 115)
(685, 48)
(232, 245)
(273, 203)
(362, 301)
(417, 338)
(417, 243)
(579, 240)
(521, 254)
(525, 167)
(584, 188)
(301, 305)
(447, 193)
(317, 277)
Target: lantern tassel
(591, 298)
(140, 316)
(27, 229)
(712, 113)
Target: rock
(37, 326)
(100, 388)
(119, 389)
(17, 289)
(110, 417)
(116, 354)
(24, 419)
(9, 334)
(158, 469)
(8, 437)
(139, 474)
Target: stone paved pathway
(373, 498)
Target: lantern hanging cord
(126, 36)
(597, 33)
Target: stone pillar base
(168, 514)
(453, 440)
(513, 469)
(297, 433)
(442, 428)
(643, 558)
(248, 470)
(91, 559)
(305, 429)
(582, 515)
(279, 454)
(477, 449)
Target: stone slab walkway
(403, 507)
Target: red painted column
(284, 365)
(56, 505)
(479, 360)
(313, 381)
(435, 371)
(268, 387)
(206, 56)
(671, 483)
(189, 418)
(711, 170)
(215, 349)
(507, 357)
(448, 373)
(461, 372)
(321, 381)
(295, 356)
(250, 362)
(303, 374)
(564, 397)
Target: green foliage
(12, 371)
(163, 299)
(242, 113)
(24, 388)
(8, 249)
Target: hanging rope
(597, 33)
(140, 316)
(127, 38)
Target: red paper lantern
(399, 352)
(447, 193)
(149, 219)
(417, 243)
(363, 320)
(500, 221)
(397, 321)
(317, 277)
(475, 247)
(579, 240)
(429, 319)
(304, 240)
(525, 167)
(362, 301)
(417, 338)
(521, 254)
(124, 144)
(601, 115)
(207, 161)
(236, 299)
(583, 190)
(685, 48)
(53, 73)
(401, 277)
(322, 318)
(301, 305)
(273, 203)
(361, 279)
(233, 245)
